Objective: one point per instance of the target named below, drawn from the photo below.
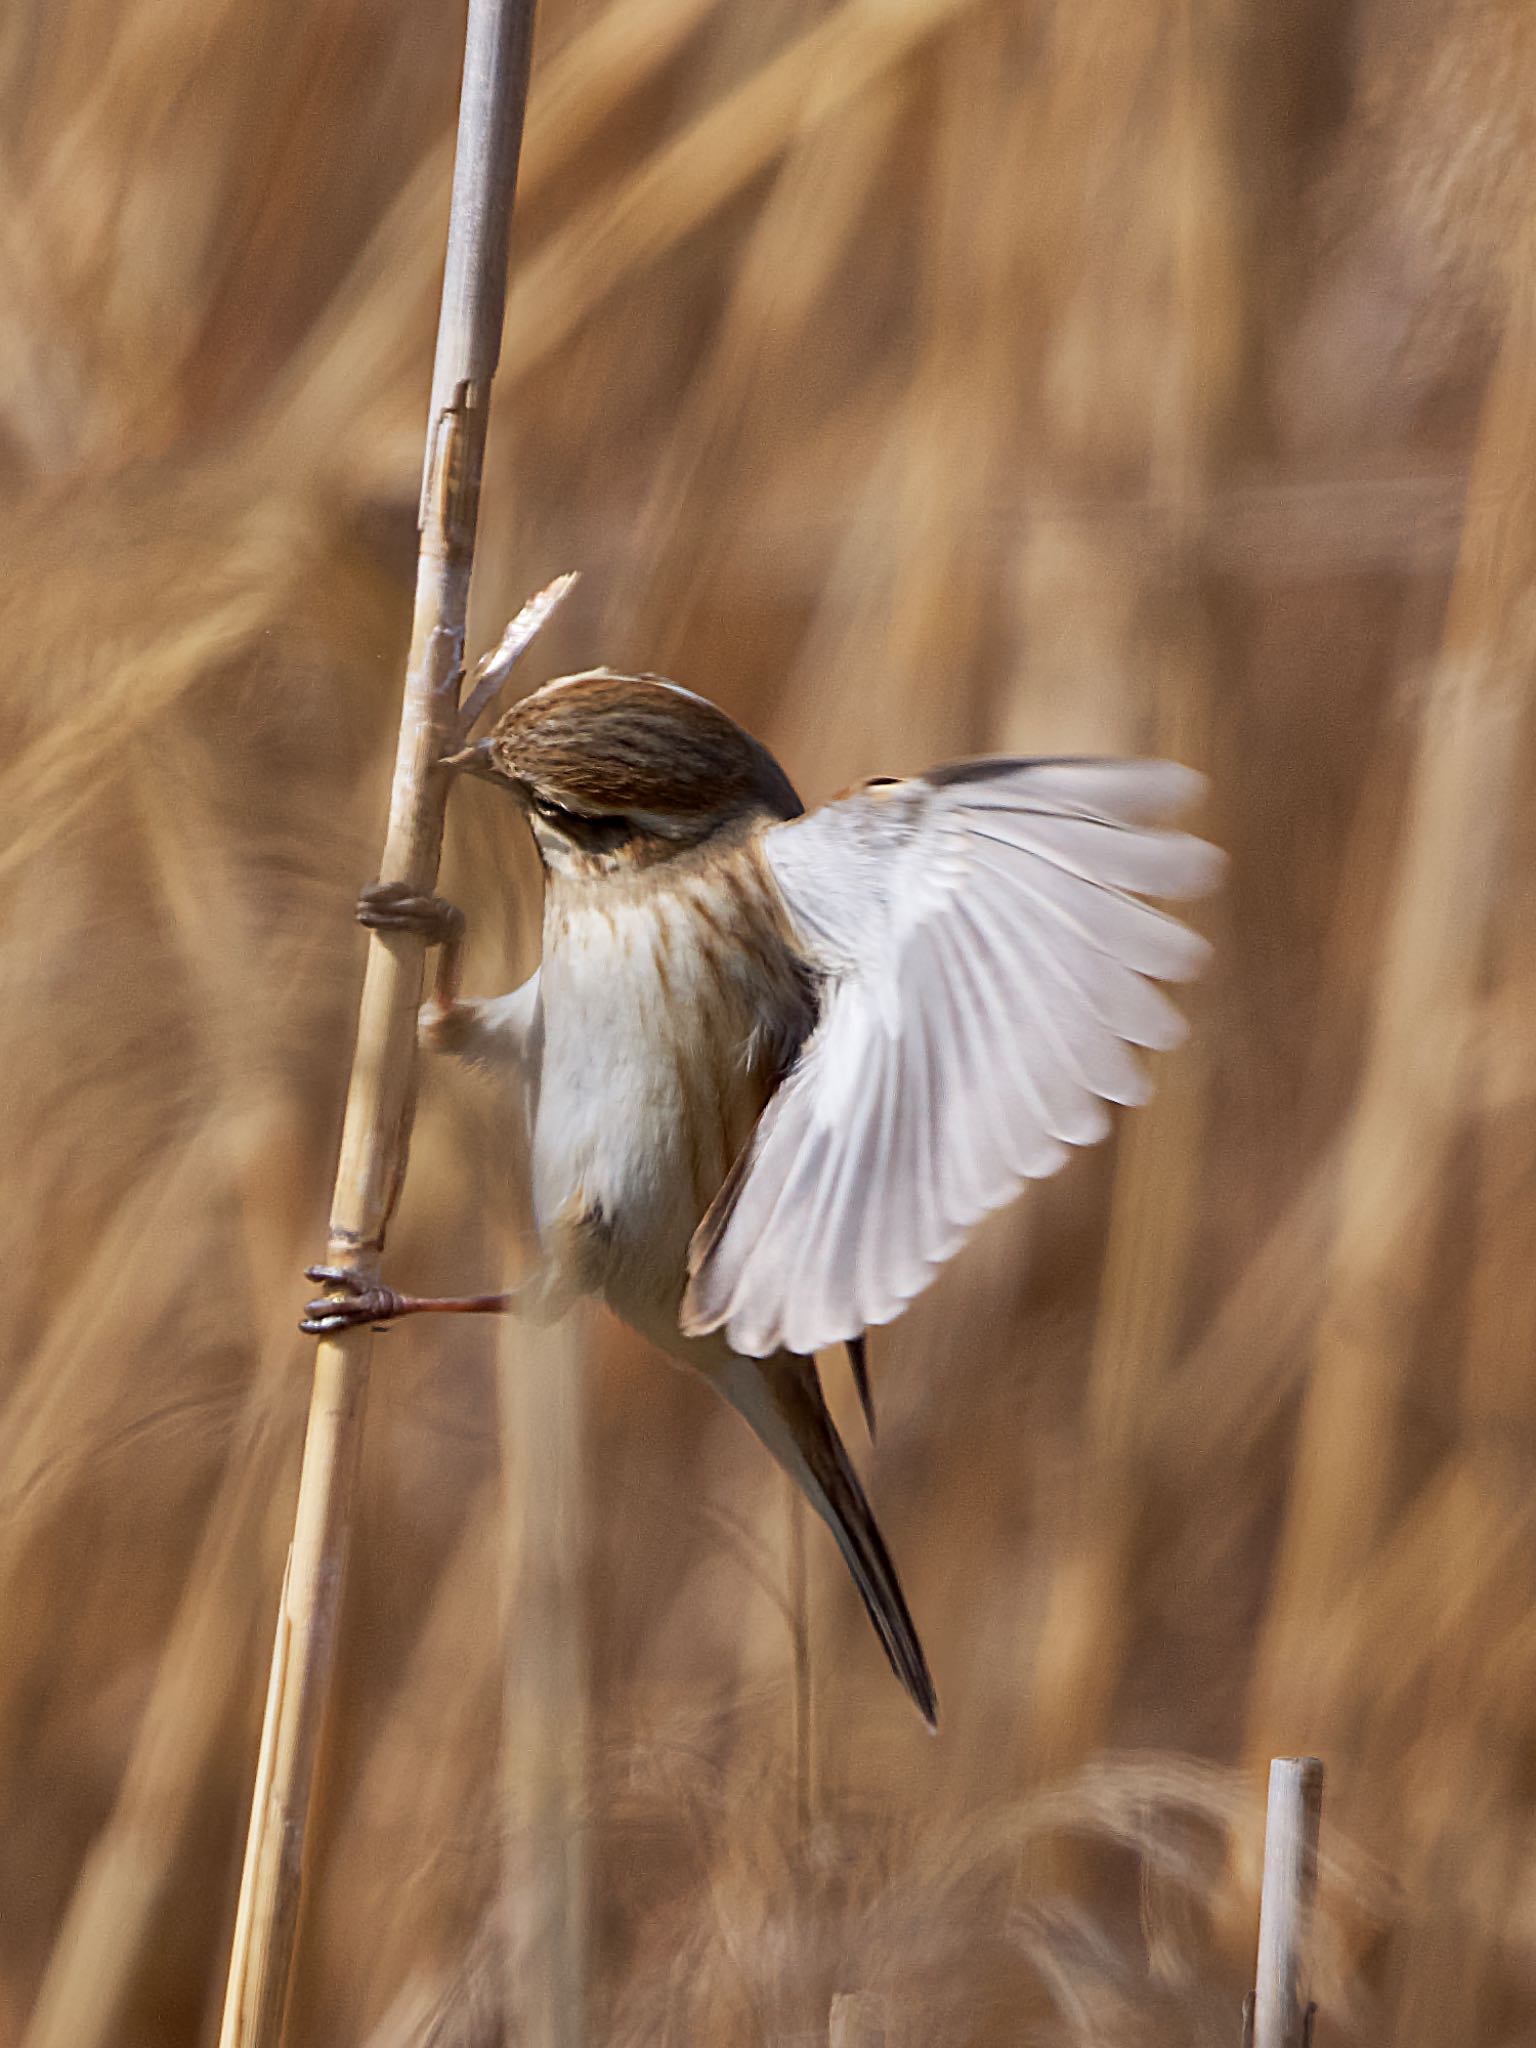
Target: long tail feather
(782, 1400)
(858, 1358)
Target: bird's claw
(397, 907)
(360, 1302)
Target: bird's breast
(670, 1013)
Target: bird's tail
(781, 1398)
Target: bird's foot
(397, 907)
(357, 1303)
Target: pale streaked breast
(671, 1009)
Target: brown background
(916, 377)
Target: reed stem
(379, 1099)
(1280, 2007)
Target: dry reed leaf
(827, 175)
(1414, 1089)
(545, 1761)
(414, 1806)
(206, 1659)
(1154, 1206)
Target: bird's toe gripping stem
(359, 1302)
(397, 907)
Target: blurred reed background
(916, 377)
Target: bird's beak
(473, 760)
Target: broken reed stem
(497, 52)
(1280, 2000)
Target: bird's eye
(594, 832)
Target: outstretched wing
(986, 967)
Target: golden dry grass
(915, 376)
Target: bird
(775, 1065)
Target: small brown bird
(773, 1067)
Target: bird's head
(619, 772)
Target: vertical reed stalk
(1285, 1910)
(379, 1099)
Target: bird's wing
(986, 966)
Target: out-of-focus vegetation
(916, 377)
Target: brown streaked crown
(639, 747)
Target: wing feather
(810, 1169)
(1069, 1111)
(1109, 920)
(872, 1268)
(1109, 855)
(1101, 1061)
(987, 962)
